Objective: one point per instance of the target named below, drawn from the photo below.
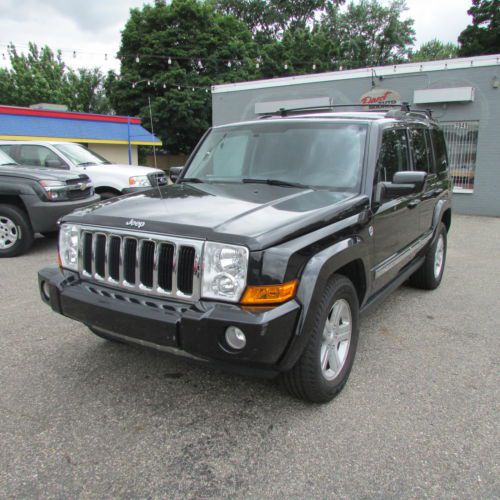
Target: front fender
(314, 278)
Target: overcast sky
(92, 27)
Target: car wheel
(324, 367)
(104, 335)
(16, 235)
(429, 276)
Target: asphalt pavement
(84, 418)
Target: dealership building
(114, 137)
(463, 95)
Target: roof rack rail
(313, 109)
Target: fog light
(235, 338)
(45, 290)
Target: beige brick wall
(115, 153)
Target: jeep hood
(255, 215)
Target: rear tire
(429, 276)
(16, 234)
(104, 335)
(324, 367)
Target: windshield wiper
(87, 163)
(191, 179)
(10, 163)
(274, 182)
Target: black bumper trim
(196, 329)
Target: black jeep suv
(277, 234)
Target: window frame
(409, 156)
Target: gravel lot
(419, 417)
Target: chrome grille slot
(147, 263)
(100, 255)
(87, 253)
(130, 260)
(114, 258)
(165, 266)
(185, 273)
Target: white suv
(109, 179)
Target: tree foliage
(41, 76)
(204, 47)
(483, 35)
(435, 50)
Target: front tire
(16, 234)
(429, 276)
(324, 367)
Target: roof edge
(77, 139)
(406, 68)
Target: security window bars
(461, 142)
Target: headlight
(55, 190)
(224, 271)
(139, 181)
(69, 236)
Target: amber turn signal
(269, 294)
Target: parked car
(109, 179)
(32, 199)
(276, 236)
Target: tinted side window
(421, 153)
(36, 155)
(393, 154)
(439, 150)
(6, 148)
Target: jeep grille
(147, 263)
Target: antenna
(152, 130)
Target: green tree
(435, 50)
(483, 35)
(368, 33)
(41, 76)
(171, 55)
(274, 17)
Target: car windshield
(5, 159)
(294, 153)
(80, 155)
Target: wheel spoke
(325, 353)
(343, 332)
(334, 360)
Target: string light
(285, 66)
(164, 85)
(169, 60)
(200, 64)
(74, 54)
(229, 64)
(137, 60)
(314, 67)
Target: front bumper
(44, 215)
(196, 329)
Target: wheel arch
(107, 189)
(15, 200)
(345, 258)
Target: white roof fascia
(398, 69)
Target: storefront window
(461, 142)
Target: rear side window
(393, 155)
(38, 156)
(421, 150)
(439, 150)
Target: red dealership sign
(380, 96)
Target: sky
(91, 28)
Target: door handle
(413, 203)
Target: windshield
(5, 159)
(80, 155)
(319, 155)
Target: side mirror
(403, 184)
(174, 173)
(53, 164)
